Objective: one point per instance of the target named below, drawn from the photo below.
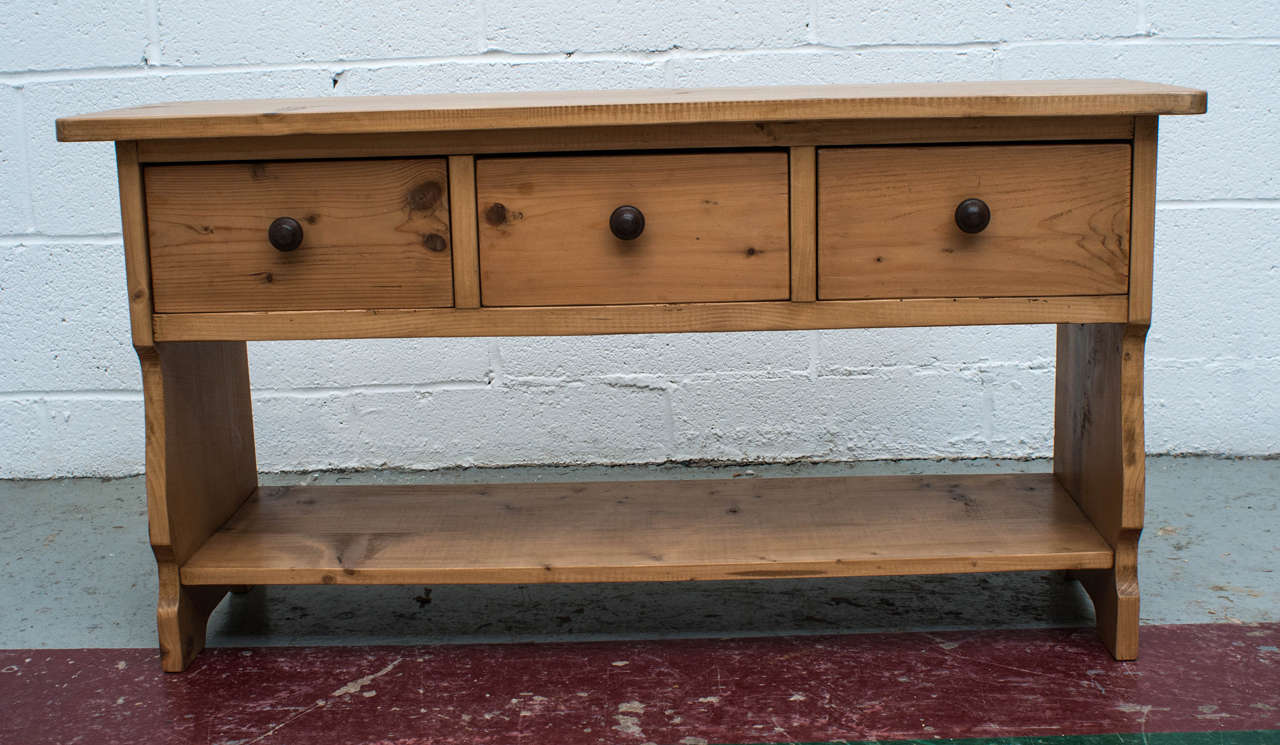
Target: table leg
(201, 466)
(1098, 456)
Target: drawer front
(888, 224)
(715, 228)
(375, 234)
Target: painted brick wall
(69, 388)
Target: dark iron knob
(627, 223)
(973, 215)
(285, 233)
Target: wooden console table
(638, 211)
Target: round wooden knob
(285, 233)
(973, 215)
(627, 223)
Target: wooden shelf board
(650, 530)
(540, 109)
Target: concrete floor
(77, 572)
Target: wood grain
(715, 229)
(201, 467)
(1142, 228)
(133, 222)
(639, 319)
(640, 137)
(804, 224)
(1099, 457)
(340, 114)
(376, 235)
(642, 531)
(824, 207)
(466, 240)
(182, 617)
(1059, 221)
(200, 451)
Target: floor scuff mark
(627, 724)
(355, 685)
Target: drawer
(715, 228)
(888, 222)
(375, 234)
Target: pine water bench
(638, 212)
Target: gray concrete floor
(77, 572)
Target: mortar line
(1225, 204)
(25, 239)
(93, 395)
(815, 353)
(119, 394)
(483, 42)
(1148, 40)
(109, 394)
(151, 52)
(25, 125)
(669, 420)
(377, 388)
(988, 408)
(494, 56)
(497, 375)
(490, 56)
(998, 61)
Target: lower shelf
(650, 530)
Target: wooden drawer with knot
(973, 221)
(299, 235)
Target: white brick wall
(69, 394)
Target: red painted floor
(1220, 677)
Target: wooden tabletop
(426, 113)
